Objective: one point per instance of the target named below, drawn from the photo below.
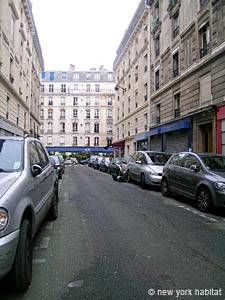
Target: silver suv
(28, 191)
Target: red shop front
(221, 130)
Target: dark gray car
(197, 176)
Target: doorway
(206, 143)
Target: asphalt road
(113, 240)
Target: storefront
(142, 141)
(221, 130)
(172, 137)
(119, 148)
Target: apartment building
(187, 75)
(21, 63)
(77, 110)
(131, 68)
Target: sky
(85, 33)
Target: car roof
(14, 138)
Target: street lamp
(120, 87)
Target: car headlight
(4, 217)
(152, 172)
(220, 186)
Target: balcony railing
(204, 51)
(177, 112)
(175, 72)
(78, 91)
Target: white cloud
(84, 33)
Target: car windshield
(11, 155)
(56, 159)
(158, 159)
(214, 163)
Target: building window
(109, 102)
(97, 76)
(87, 141)
(51, 88)
(203, 3)
(96, 101)
(88, 76)
(176, 64)
(157, 46)
(158, 107)
(109, 128)
(75, 113)
(87, 127)
(49, 140)
(76, 87)
(128, 107)
(109, 113)
(76, 76)
(146, 63)
(110, 76)
(204, 38)
(42, 101)
(42, 88)
(41, 113)
(75, 127)
(88, 114)
(146, 91)
(88, 88)
(88, 101)
(96, 115)
(177, 105)
(63, 88)
(50, 127)
(75, 101)
(122, 109)
(176, 24)
(96, 128)
(62, 101)
(96, 141)
(97, 88)
(74, 140)
(146, 121)
(136, 73)
(157, 80)
(62, 141)
(62, 127)
(50, 101)
(50, 113)
(64, 75)
(62, 113)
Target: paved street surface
(113, 240)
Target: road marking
(44, 243)
(39, 261)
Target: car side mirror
(36, 170)
(194, 168)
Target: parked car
(92, 160)
(84, 161)
(58, 165)
(68, 162)
(104, 164)
(200, 177)
(28, 191)
(146, 167)
(119, 169)
(97, 162)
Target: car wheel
(143, 183)
(60, 175)
(204, 201)
(114, 177)
(54, 211)
(22, 268)
(165, 187)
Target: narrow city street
(114, 240)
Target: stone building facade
(77, 110)
(187, 75)
(21, 63)
(131, 68)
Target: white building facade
(21, 63)
(77, 110)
